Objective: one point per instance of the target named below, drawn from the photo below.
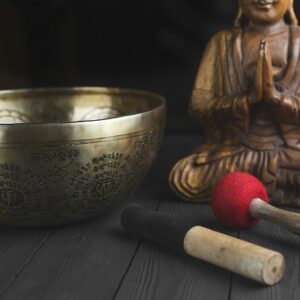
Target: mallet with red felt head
(240, 200)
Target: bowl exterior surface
(82, 171)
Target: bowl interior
(66, 105)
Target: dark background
(154, 45)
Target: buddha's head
(266, 12)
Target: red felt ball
(232, 196)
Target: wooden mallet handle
(249, 260)
(286, 219)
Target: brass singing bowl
(69, 154)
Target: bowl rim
(161, 102)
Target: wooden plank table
(96, 259)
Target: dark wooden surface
(98, 260)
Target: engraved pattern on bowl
(61, 172)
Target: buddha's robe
(262, 139)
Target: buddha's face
(265, 11)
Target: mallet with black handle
(181, 233)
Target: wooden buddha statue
(247, 99)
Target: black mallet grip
(168, 230)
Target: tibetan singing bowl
(73, 153)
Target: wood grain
(79, 261)
(17, 248)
